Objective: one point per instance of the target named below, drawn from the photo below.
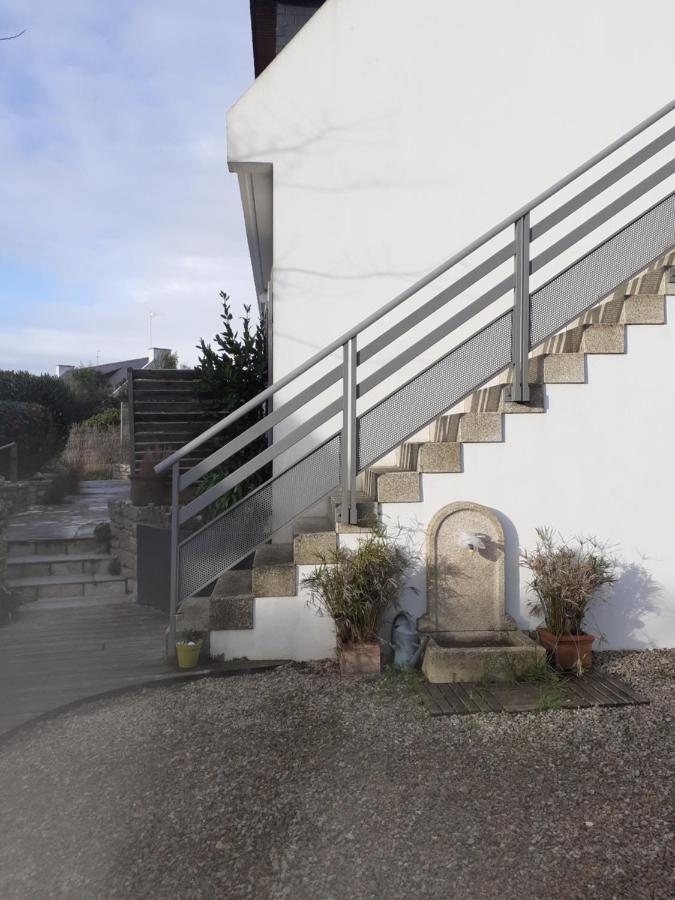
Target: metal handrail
(13, 448)
(423, 282)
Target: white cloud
(112, 148)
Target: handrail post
(173, 588)
(519, 391)
(348, 513)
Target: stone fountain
(471, 637)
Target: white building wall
(598, 462)
(399, 132)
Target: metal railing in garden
(323, 389)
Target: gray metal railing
(325, 391)
(13, 450)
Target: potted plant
(188, 648)
(146, 486)
(566, 578)
(356, 587)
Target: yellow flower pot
(187, 655)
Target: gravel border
(297, 784)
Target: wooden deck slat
(476, 698)
(623, 688)
(422, 690)
(591, 690)
(447, 708)
(457, 695)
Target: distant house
(115, 373)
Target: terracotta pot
(360, 659)
(568, 650)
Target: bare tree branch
(11, 37)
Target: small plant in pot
(356, 587)
(188, 648)
(567, 578)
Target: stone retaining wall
(124, 517)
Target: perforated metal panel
(600, 271)
(433, 391)
(239, 530)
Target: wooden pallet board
(456, 699)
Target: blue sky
(115, 199)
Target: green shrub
(356, 587)
(33, 429)
(104, 420)
(228, 376)
(46, 390)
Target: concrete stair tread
(235, 583)
(273, 555)
(57, 558)
(50, 580)
(313, 525)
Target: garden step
(314, 540)
(164, 375)
(50, 546)
(589, 338)
(431, 457)
(38, 588)
(494, 399)
(232, 601)
(367, 510)
(274, 573)
(554, 368)
(34, 565)
(166, 395)
(396, 485)
(644, 309)
(470, 427)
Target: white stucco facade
(383, 139)
(397, 132)
(598, 463)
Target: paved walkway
(61, 650)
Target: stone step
(274, 572)
(589, 338)
(58, 564)
(232, 602)
(314, 541)
(494, 399)
(554, 368)
(431, 457)
(50, 546)
(470, 427)
(395, 485)
(39, 588)
(644, 309)
(367, 511)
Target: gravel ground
(297, 784)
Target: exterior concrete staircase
(52, 555)
(436, 450)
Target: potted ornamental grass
(567, 579)
(356, 587)
(188, 648)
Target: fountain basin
(498, 656)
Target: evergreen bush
(32, 427)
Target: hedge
(45, 390)
(33, 428)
